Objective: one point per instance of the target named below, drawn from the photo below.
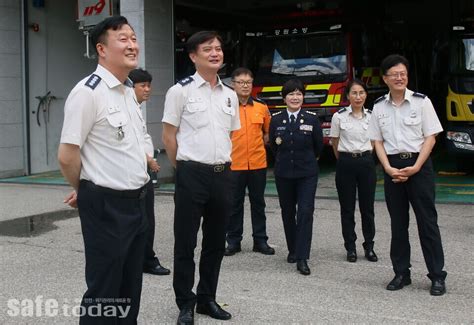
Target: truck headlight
(458, 136)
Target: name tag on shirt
(281, 128)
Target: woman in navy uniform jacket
(296, 140)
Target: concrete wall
(153, 23)
(12, 160)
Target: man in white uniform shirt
(102, 156)
(403, 127)
(200, 113)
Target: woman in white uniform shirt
(355, 169)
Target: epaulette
(128, 83)
(275, 114)
(379, 99)
(419, 95)
(342, 110)
(185, 81)
(93, 81)
(258, 100)
(312, 113)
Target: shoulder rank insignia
(342, 110)
(128, 83)
(419, 95)
(93, 81)
(185, 81)
(312, 113)
(379, 99)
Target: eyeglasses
(397, 75)
(243, 82)
(355, 93)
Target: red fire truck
(318, 53)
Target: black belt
(404, 155)
(355, 154)
(139, 193)
(217, 168)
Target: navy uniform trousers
(255, 181)
(201, 191)
(114, 229)
(296, 196)
(419, 191)
(356, 174)
(150, 259)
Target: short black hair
(393, 60)
(201, 37)
(353, 82)
(140, 75)
(99, 31)
(292, 85)
(240, 71)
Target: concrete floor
(256, 289)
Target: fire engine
(318, 51)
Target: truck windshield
(462, 65)
(311, 57)
(462, 56)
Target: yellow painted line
(464, 193)
(455, 185)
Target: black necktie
(292, 119)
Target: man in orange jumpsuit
(249, 166)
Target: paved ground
(256, 289)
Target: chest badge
(278, 140)
(120, 133)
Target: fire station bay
(44, 52)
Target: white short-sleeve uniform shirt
(351, 131)
(103, 117)
(403, 128)
(204, 117)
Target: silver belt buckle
(356, 154)
(405, 155)
(219, 168)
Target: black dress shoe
(291, 258)
(263, 248)
(302, 266)
(186, 316)
(212, 309)
(351, 256)
(156, 270)
(398, 282)
(438, 287)
(370, 255)
(232, 249)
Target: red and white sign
(91, 12)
